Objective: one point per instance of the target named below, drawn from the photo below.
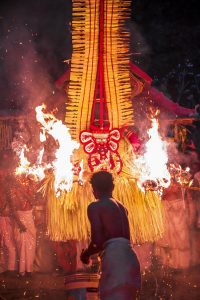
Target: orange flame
(25, 167)
(152, 165)
(180, 175)
(24, 163)
(62, 166)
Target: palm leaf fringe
(67, 215)
(84, 62)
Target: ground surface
(157, 285)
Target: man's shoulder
(117, 202)
(93, 205)
(93, 209)
(120, 205)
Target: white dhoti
(26, 241)
(120, 269)
(174, 248)
(7, 244)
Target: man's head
(102, 184)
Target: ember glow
(152, 165)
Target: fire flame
(25, 167)
(180, 175)
(24, 163)
(152, 165)
(62, 166)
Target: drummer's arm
(96, 243)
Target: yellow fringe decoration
(67, 215)
(84, 62)
(116, 63)
(85, 31)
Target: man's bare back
(108, 218)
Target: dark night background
(35, 40)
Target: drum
(82, 286)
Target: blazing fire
(25, 167)
(62, 166)
(152, 165)
(24, 163)
(180, 175)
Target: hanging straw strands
(67, 215)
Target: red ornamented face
(102, 149)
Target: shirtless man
(110, 235)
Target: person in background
(25, 232)
(7, 242)
(44, 261)
(195, 172)
(194, 193)
(173, 249)
(110, 236)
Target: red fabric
(101, 71)
(160, 99)
(136, 70)
(99, 94)
(157, 96)
(132, 136)
(168, 104)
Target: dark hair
(102, 181)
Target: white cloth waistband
(114, 240)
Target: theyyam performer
(98, 110)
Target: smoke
(26, 71)
(176, 154)
(35, 41)
(139, 48)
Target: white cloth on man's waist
(119, 266)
